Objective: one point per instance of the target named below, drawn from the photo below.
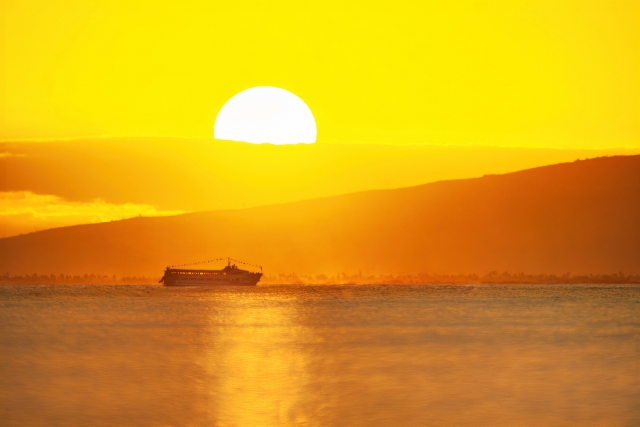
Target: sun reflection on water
(260, 372)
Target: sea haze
(526, 355)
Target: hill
(195, 175)
(581, 217)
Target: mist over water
(525, 355)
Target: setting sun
(266, 114)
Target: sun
(266, 114)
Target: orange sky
(403, 93)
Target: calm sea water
(324, 356)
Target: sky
(108, 107)
(526, 73)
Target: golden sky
(557, 74)
(111, 104)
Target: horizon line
(400, 144)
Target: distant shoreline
(491, 278)
(124, 284)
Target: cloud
(4, 155)
(24, 212)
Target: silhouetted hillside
(580, 217)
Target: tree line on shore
(77, 279)
(492, 277)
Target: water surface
(527, 355)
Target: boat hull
(228, 283)
(230, 276)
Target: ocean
(384, 355)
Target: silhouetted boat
(230, 275)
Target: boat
(230, 275)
